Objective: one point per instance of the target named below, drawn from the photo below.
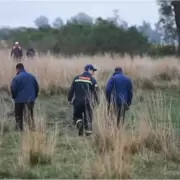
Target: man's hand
(126, 107)
(69, 103)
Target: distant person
(24, 89)
(30, 53)
(17, 52)
(84, 91)
(119, 94)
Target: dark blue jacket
(119, 89)
(24, 87)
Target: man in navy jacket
(119, 93)
(24, 89)
(84, 91)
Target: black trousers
(119, 111)
(17, 59)
(24, 112)
(84, 112)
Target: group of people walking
(83, 95)
(17, 52)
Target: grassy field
(147, 147)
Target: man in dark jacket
(24, 89)
(30, 52)
(119, 93)
(17, 52)
(84, 88)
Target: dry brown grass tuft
(6, 122)
(37, 147)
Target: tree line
(83, 38)
(83, 35)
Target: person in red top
(17, 52)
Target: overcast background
(23, 13)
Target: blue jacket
(24, 87)
(119, 89)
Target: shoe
(88, 132)
(79, 126)
(88, 129)
(18, 129)
(81, 131)
(79, 123)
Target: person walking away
(24, 89)
(30, 53)
(84, 90)
(119, 94)
(17, 52)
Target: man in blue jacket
(119, 93)
(24, 89)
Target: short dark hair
(19, 66)
(118, 69)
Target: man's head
(19, 67)
(90, 68)
(118, 69)
(16, 43)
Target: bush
(162, 50)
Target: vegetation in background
(90, 39)
(82, 34)
(170, 21)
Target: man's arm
(130, 93)
(109, 87)
(12, 51)
(71, 91)
(21, 52)
(95, 90)
(13, 88)
(36, 86)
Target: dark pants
(24, 111)
(120, 112)
(17, 59)
(83, 112)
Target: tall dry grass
(113, 149)
(37, 147)
(53, 73)
(7, 122)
